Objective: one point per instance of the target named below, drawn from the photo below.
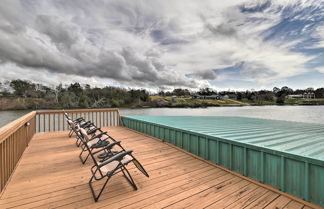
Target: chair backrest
(82, 134)
(67, 116)
(71, 124)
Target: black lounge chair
(80, 122)
(95, 142)
(74, 129)
(72, 123)
(110, 166)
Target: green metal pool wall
(292, 173)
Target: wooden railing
(54, 120)
(14, 139)
(15, 136)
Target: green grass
(188, 102)
(179, 101)
(304, 101)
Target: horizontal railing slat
(14, 138)
(77, 111)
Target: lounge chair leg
(139, 166)
(77, 142)
(70, 133)
(96, 197)
(129, 178)
(80, 156)
(85, 160)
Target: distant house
(294, 96)
(229, 96)
(225, 97)
(213, 97)
(1, 95)
(308, 95)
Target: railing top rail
(77, 111)
(11, 127)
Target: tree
(161, 93)
(181, 92)
(139, 95)
(22, 87)
(280, 100)
(87, 87)
(57, 91)
(206, 91)
(275, 90)
(69, 100)
(286, 90)
(239, 96)
(319, 93)
(84, 101)
(76, 89)
(310, 89)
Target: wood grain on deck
(50, 175)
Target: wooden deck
(50, 175)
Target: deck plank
(229, 199)
(278, 203)
(204, 198)
(294, 205)
(50, 175)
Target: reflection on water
(310, 114)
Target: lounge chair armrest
(99, 135)
(88, 124)
(78, 120)
(119, 157)
(112, 138)
(92, 131)
(109, 146)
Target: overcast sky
(162, 44)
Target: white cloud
(320, 69)
(146, 43)
(320, 35)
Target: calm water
(8, 116)
(310, 114)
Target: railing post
(120, 119)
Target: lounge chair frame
(107, 148)
(98, 175)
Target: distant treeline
(21, 94)
(38, 96)
(277, 95)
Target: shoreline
(14, 104)
(171, 107)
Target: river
(309, 114)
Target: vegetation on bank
(168, 101)
(20, 94)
